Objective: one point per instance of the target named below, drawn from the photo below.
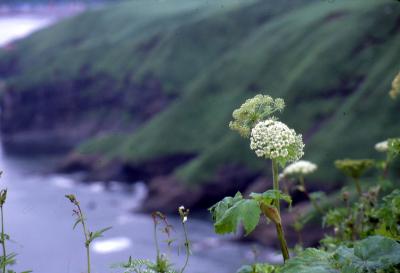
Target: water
(39, 217)
(18, 26)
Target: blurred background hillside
(143, 91)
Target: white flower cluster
(382, 146)
(275, 140)
(301, 167)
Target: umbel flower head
(395, 87)
(354, 168)
(275, 140)
(299, 168)
(382, 146)
(253, 111)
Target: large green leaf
(270, 195)
(310, 260)
(219, 209)
(257, 268)
(229, 213)
(369, 255)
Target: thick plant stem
(279, 229)
(358, 186)
(87, 244)
(275, 183)
(3, 241)
(282, 241)
(272, 214)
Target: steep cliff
(145, 90)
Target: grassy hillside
(332, 62)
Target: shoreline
(20, 20)
(55, 11)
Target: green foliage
(9, 259)
(364, 218)
(310, 261)
(373, 254)
(162, 263)
(270, 196)
(233, 211)
(389, 216)
(230, 212)
(376, 254)
(395, 91)
(393, 148)
(90, 236)
(257, 268)
(145, 266)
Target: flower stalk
(81, 219)
(3, 196)
(278, 222)
(184, 213)
(275, 180)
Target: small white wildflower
(301, 167)
(183, 213)
(382, 146)
(275, 140)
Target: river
(39, 218)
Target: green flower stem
(87, 244)
(386, 169)
(156, 239)
(358, 186)
(279, 229)
(3, 241)
(275, 182)
(282, 241)
(187, 247)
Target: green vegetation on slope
(332, 62)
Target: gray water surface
(39, 220)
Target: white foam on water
(96, 187)
(62, 182)
(111, 245)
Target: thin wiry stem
(3, 241)
(187, 247)
(87, 244)
(156, 238)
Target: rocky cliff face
(60, 115)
